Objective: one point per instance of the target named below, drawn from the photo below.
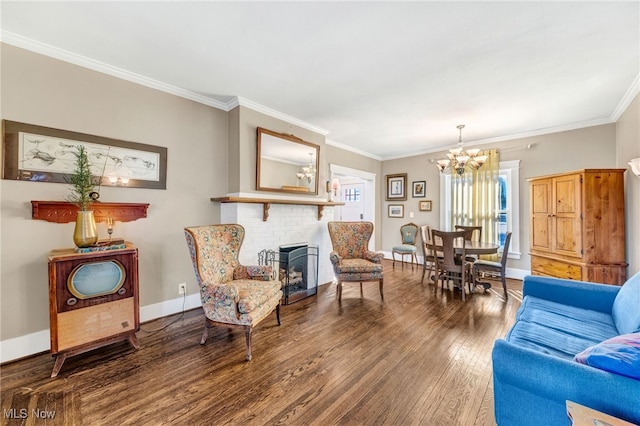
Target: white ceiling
(386, 78)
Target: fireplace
(297, 266)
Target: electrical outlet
(182, 288)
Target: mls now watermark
(23, 413)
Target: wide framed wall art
(42, 154)
(396, 187)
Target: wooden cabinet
(577, 226)
(93, 300)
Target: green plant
(82, 180)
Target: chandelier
(308, 172)
(458, 158)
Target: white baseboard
(34, 343)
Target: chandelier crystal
(308, 172)
(458, 158)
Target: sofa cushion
(625, 307)
(620, 355)
(557, 329)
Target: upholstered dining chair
(232, 295)
(481, 265)
(409, 235)
(351, 258)
(451, 266)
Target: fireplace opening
(297, 269)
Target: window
(351, 195)
(508, 203)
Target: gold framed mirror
(285, 163)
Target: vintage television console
(93, 300)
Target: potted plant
(83, 185)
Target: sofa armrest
(556, 379)
(581, 294)
(373, 256)
(259, 273)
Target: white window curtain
(474, 197)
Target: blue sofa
(534, 366)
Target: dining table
(476, 247)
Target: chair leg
(361, 292)
(339, 290)
(393, 255)
(205, 333)
(247, 333)
(381, 293)
(278, 313)
(504, 285)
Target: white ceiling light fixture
(308, 172)
(635, 166)
(458, 158)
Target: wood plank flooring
(421, 357)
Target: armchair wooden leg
(361, 292)
(381, 293)
(205, 333)
(278, 313)
(247, 333)
(339, 290)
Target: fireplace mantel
(266, 203)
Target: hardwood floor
(420, 357)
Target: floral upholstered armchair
(351, 258)
(232, 295)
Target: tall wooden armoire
(577, 226)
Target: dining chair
(481, 265)
(471, 233)
(409, 235)
(428, 259)
(451, 266)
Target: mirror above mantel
(285, 163)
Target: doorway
(357, 191)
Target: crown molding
(628, 97)
(352, 149)
(240, 101)
(73, 58)
(515, 136)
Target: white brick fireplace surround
(287, 223)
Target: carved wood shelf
(64, 212)
(266, 203)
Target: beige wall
(44, 91)
(628, 146)
(590, 147)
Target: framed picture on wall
(396, 210)
(425, 206)
(419, 189)
(397, 187)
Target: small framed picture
(425, 206)
(396, 210)
(419, 189)
(397, 187)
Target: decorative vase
(85, 233)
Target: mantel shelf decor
(65, 212)
(266, 203)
